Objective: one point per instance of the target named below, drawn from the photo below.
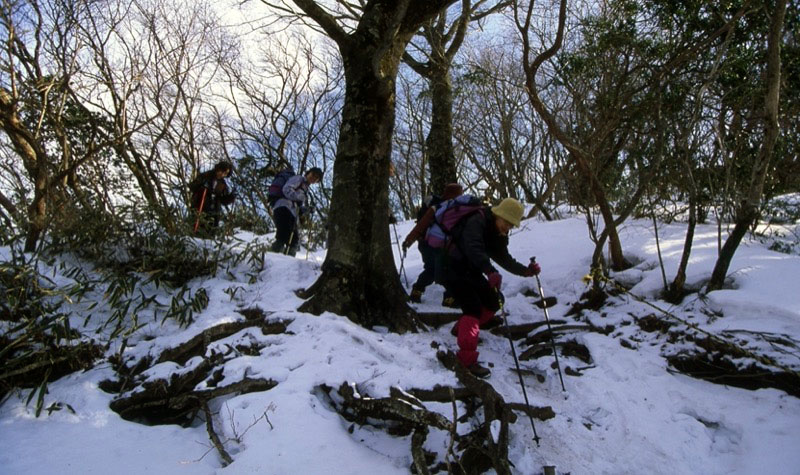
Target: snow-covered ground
(626, 413)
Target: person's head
(314, 175)
(223, 169)
(507, 214)
(452, 190)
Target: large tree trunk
(749, 209)
(359, 278)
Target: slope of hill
(626, 408)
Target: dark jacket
(216, 193)
(477, 242)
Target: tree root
(568, 348)
(194, 347)
(517, 332)
(717, 367)
(52, 362)
(545, 335)
(176, 400)
(403, 413)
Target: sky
(627, 412)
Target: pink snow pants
(468, 330)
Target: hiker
(289, 207)
(431, 257)
(209, 193)
(478, 239)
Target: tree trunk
(37, 215)
(34, 158)
(675, 292)
(748, 212)
(439, 143)
(359, 279)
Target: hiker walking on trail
(288, 206)
(476, 240)
(431, 257)
(209, 193)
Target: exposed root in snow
(403, 413)
(195, 376)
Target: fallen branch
(494, 408)
(213, 435)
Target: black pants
(286, 233)
(428, 274)
(470, 288)
(432, 268)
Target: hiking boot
(416, 295)
(449, 302)
(479, 371)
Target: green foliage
(37, 342)
(133, 242)
(136, 264)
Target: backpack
(448, 215)
(275, 191)
(430, 200)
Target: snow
(627, 412)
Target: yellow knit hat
(509, 209)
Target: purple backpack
(448, 215)
(275, 191)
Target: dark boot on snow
(416, 295)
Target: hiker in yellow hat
(479, 238)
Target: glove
(406, 245)
(533, 269)
(303, 210)
(495, 279)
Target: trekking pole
(516, 362)
(288, 243)
(550, 329)
(200, 209)
(308, 243)
(402, 254)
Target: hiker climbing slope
(209, 193)
(431, 257)
(475, 241)
(288, 205)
